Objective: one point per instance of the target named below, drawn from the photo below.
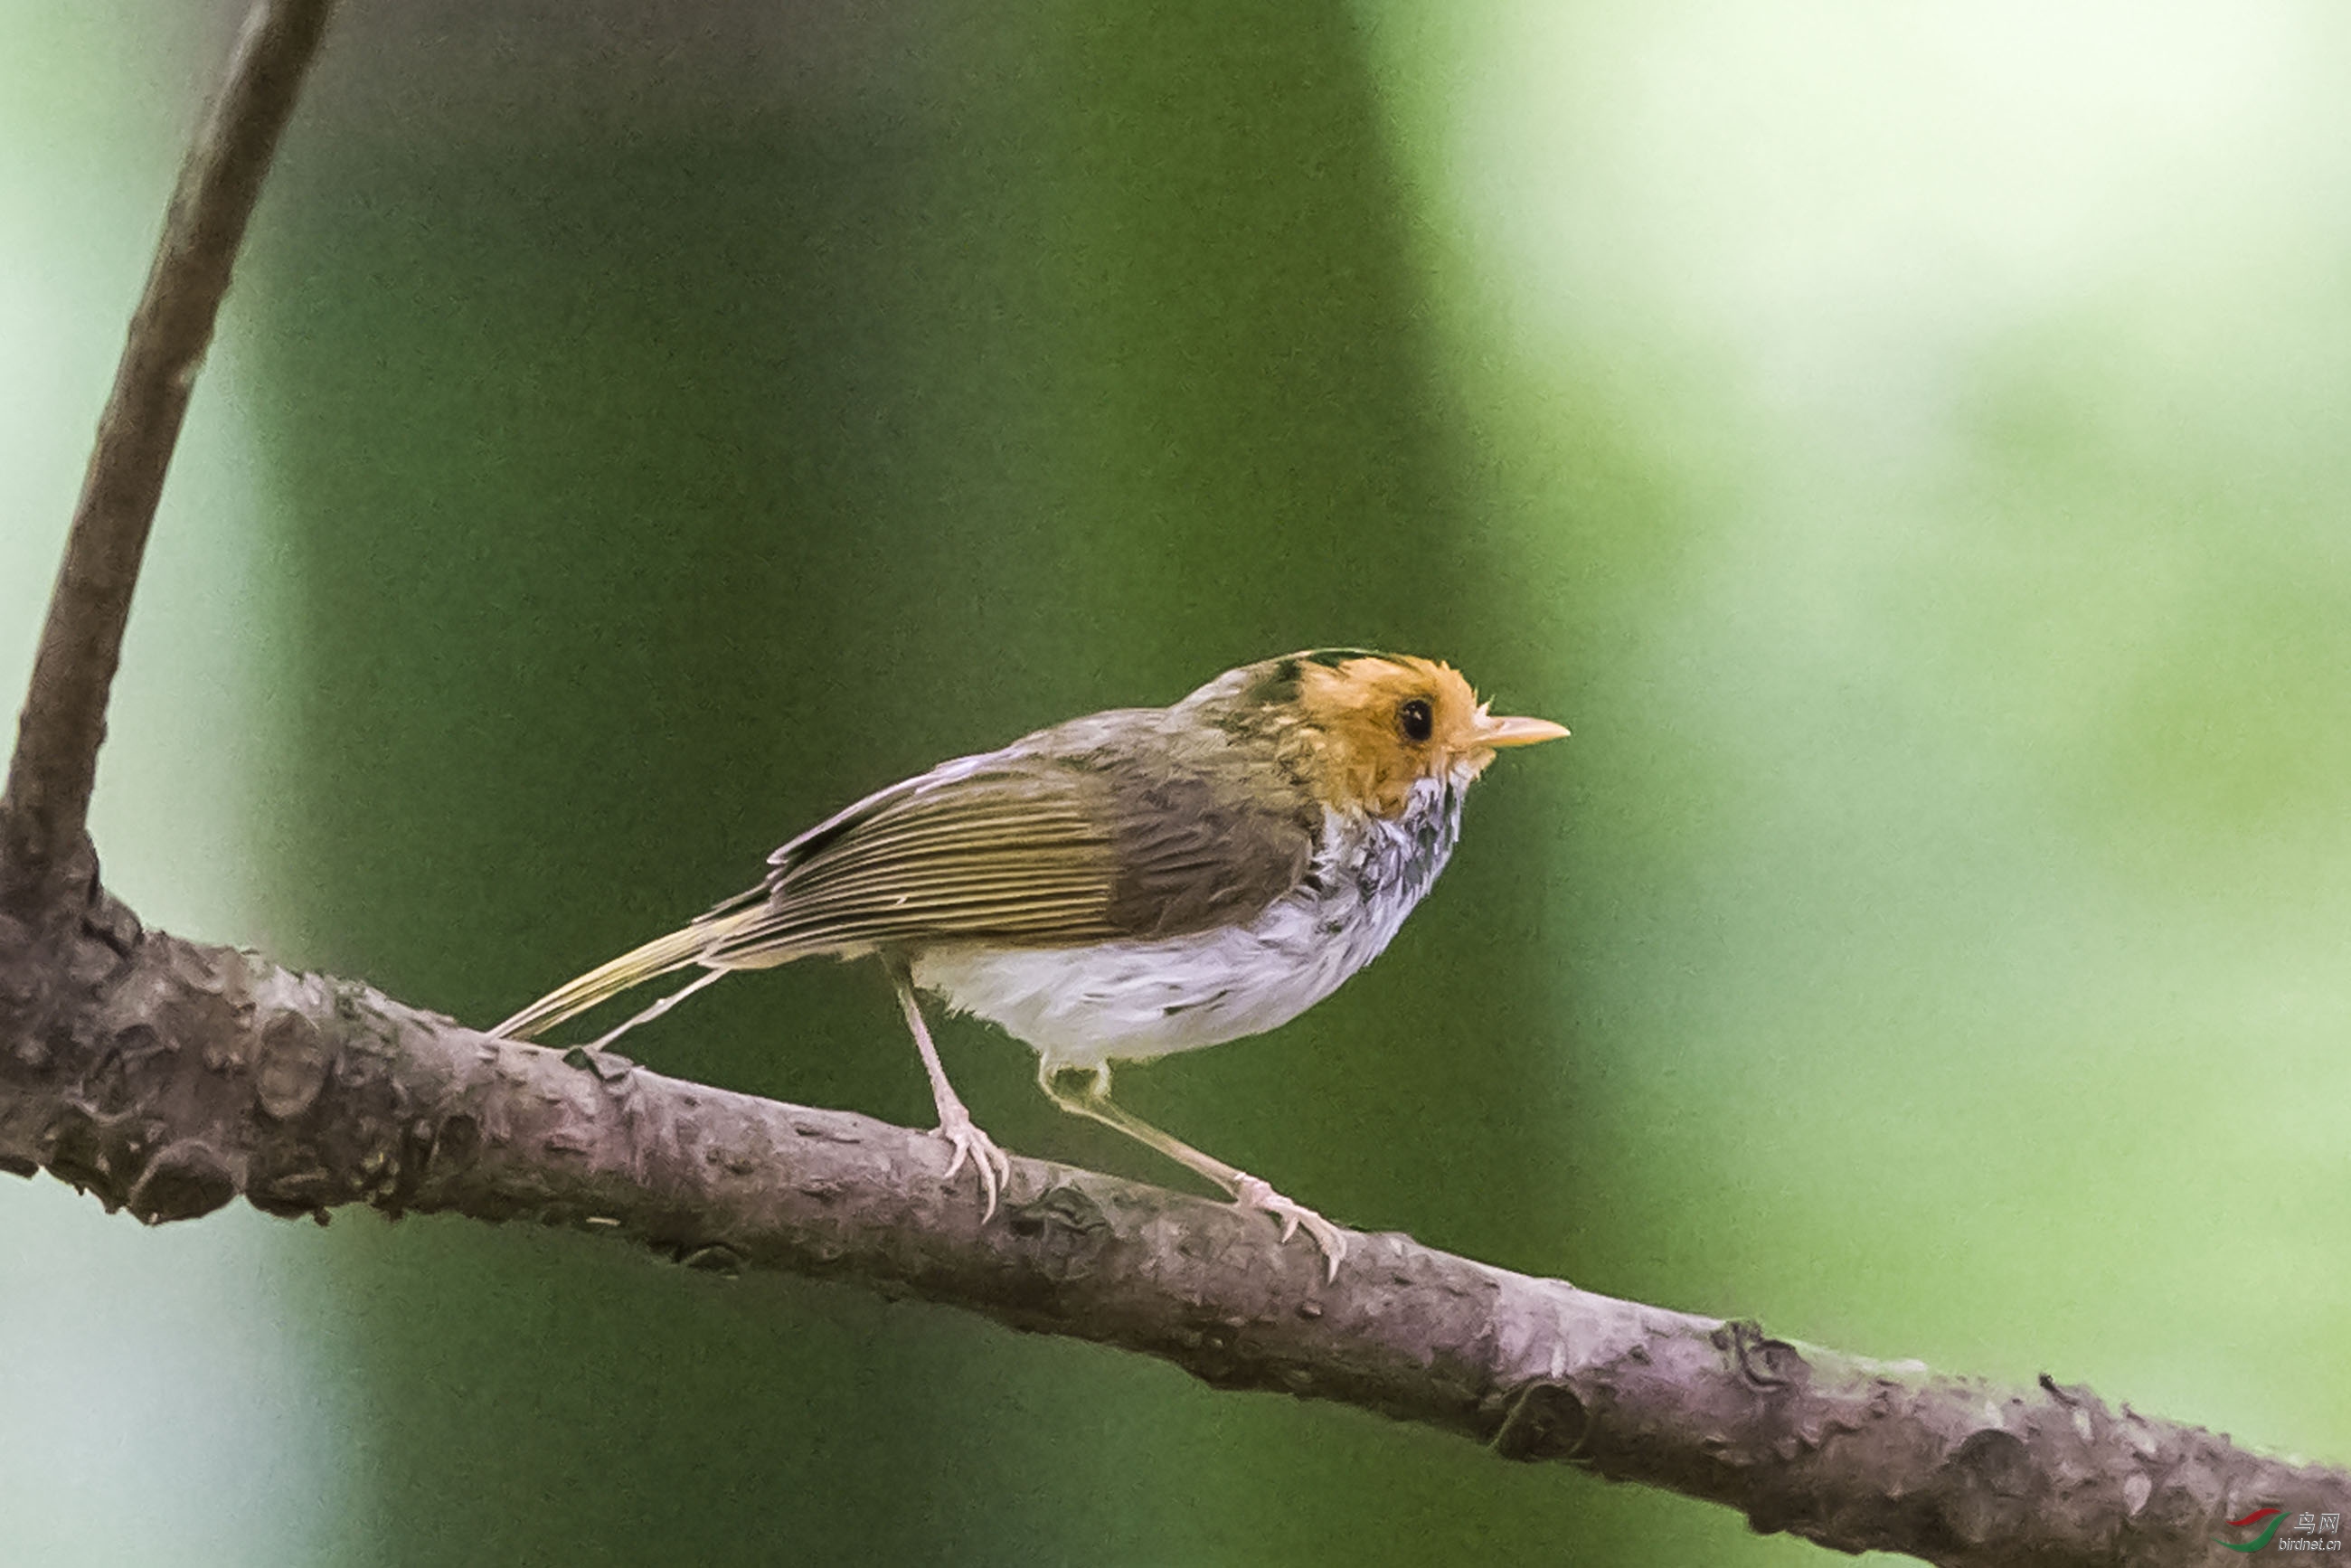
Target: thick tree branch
(46, 801)
(168, 1078)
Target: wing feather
(1139, 823)
(1001, 848)
(1086, 834)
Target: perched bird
(1124, 885)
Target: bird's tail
(682, 948)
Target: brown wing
(1110, 827)
(985, 849)
(1194, 852)
(1126, 824)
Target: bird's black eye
(1417, 721)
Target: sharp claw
(1252, 1193)
(989, 1183)
(989, 1162)
(1003, 1180)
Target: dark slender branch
(169, 1078)
(47, 801)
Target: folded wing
(1098, 832)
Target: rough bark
(169, 1078)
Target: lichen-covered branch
(169, 1078)
(47, 799)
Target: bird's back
(1129, 825)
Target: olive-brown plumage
(1125, 884)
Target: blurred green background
(1908, 446)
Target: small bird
(1123, 886)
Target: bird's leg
(604, 1040)
(1094, 1102)
(955, 1125)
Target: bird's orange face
(1389, 720)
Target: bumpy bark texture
(168, 1078)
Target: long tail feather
(663, 955)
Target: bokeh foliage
(1907, 451)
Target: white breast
(1130, 1001)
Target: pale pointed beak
(1497, 732)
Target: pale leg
(1246, 1190)
(955, 1125)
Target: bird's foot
(1248, 1192)
(967, 1142)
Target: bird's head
(1365, 728)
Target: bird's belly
(1130, 1001)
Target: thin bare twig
(45, 809)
